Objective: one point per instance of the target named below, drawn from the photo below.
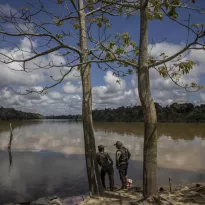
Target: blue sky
(66, 97)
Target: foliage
(185, 112)
(12, 114)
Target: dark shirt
(104, 159)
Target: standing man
(106, 163)
(122, 157)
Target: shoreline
(97, 121)
(180, 194)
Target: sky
(168, 37)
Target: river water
(47, 156)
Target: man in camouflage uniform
(122, 157)
(106, 163)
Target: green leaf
(136, 51)
(133, 43)
(118, 81)
(150, 16)
(109, 56)
(119, 51)
(76, 26)
(172, 13)
(185, 67)
(58, 22)
(163, 71)
(195, 25)
(111, 44)
(130, 71)
(58, 36)
(99, 24)
(159, 15)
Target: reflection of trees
(15, 124)
(55, 135)
(174, 130)
(10, 159)
(45, 174)
(9, 146)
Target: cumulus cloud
(202, 97)
(113, 94)
(164, 90)
(13, 74)
(55, 95)
(114, 83)
(25, 27)
(67, 97)
(7, 10)
(70, 88)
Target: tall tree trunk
(95, 186)
(149, 111)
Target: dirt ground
(180, 195)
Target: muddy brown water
(47, 156)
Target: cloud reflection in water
(48, 157)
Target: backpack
(125, 154)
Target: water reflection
(48, 156)
(184, 131)
(34, 175)
(10, 159)
(9, 146)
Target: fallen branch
(197, 189)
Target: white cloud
(6, 10)
(70, 88)
(55, 95)
(113, 94)
(112, 82)
(168, 48)
(202, 95)
(67, 98)
(24, 27)
(163, 89)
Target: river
(47, 156)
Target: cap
(118, 143)
(101, 146)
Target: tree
(150, 118)
(121, 51)
(35, 22)
(128, 54)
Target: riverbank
(191, 194)
(180, 195)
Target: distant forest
(11, 114)
(185, 112)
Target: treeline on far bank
(185, 112)
(12, 114)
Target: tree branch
(62, 45)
